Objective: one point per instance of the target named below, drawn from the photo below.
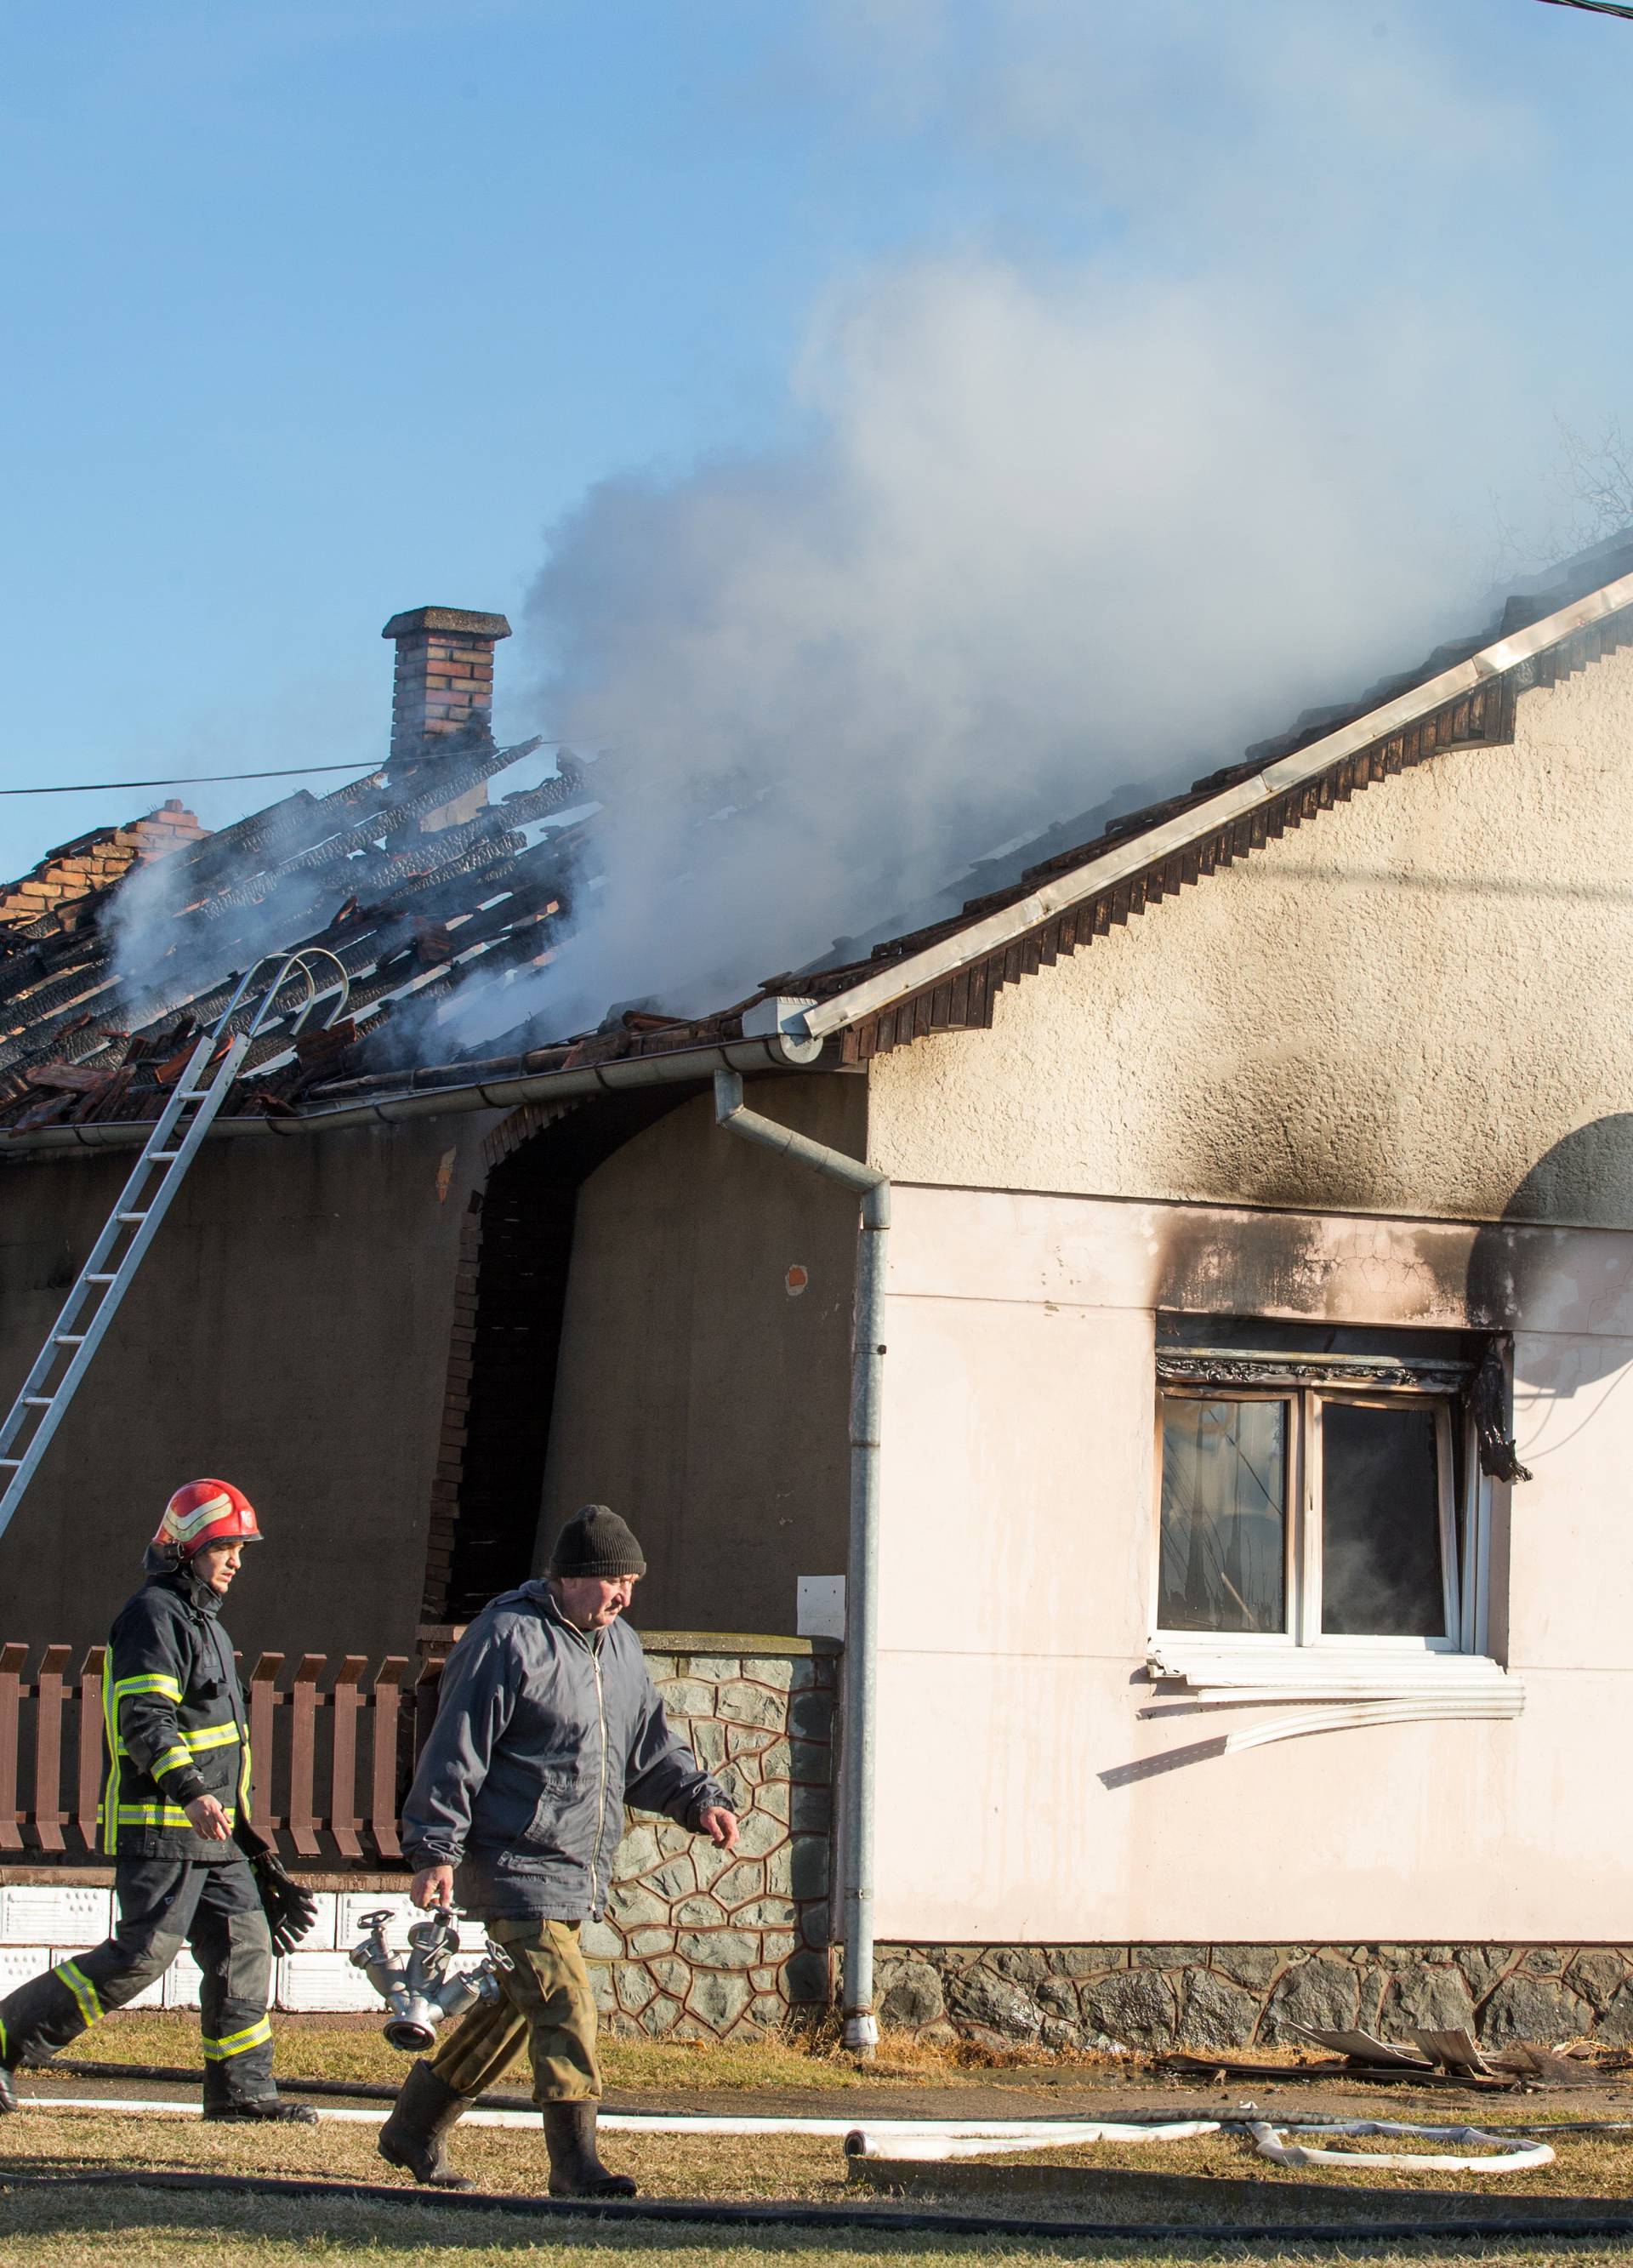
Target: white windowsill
(1450, 1684)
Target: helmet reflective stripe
(181, 1527)
(207, 1512)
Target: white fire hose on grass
(937, 2139)
(922, 2141)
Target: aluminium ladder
(133, 1224)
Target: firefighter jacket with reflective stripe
(172, 1721)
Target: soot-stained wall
(1406, 1006)
(289, 1331)
(704, 1382)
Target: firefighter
(187, 1866)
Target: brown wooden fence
(333, 1754)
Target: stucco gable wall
(1405, 1006)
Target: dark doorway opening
(485, 1524)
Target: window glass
(1381, 1522)
(1224, 1515)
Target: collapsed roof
(419, 886)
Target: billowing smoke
(1056, 521)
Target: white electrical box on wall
(821, 1606)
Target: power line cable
(1594, 8)
(207, 779)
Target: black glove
(290, 1909)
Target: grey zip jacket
(543, 1734)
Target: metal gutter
(867, 1388)
(949, 954)
(774, 1051)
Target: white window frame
(1465, 1571)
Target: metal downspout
(867, 1379)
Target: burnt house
(1260, 1287)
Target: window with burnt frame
(1319, 1486)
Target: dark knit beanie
(595, 1541)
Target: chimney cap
(446, 618)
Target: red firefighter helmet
(207, 1512)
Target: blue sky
(320, 311)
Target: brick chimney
(444, 686)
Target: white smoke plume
(1058, 522)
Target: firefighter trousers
(546, 2002)
(163, 1903)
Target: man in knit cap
(547, 1724)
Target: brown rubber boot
(425, 2113)
(576, 2170)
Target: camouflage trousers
(547, 2004)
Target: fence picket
(263, 1699)
(49, 1696)
(303, 1757)
(344, 1701)
(387, 1712)
(13, 1660)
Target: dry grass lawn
(95, 2223)
(92, 2228)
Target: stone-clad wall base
(1153, 1997)
(698, 1944)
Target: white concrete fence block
(45, 1913)
(351, 1905)
(20, 1963)
(321, 1937)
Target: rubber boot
(425, 2113)
(8, 2093)
(261, 2110)
(575, 2169)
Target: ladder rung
(194, 1093)
(162, 1157)
(69, 1339)
(99, 1280)
(38, 1401)
(133, 1216)
(10, 1461)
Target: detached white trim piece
(1334, 1719)
(951, 954)
(1352, 1689)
